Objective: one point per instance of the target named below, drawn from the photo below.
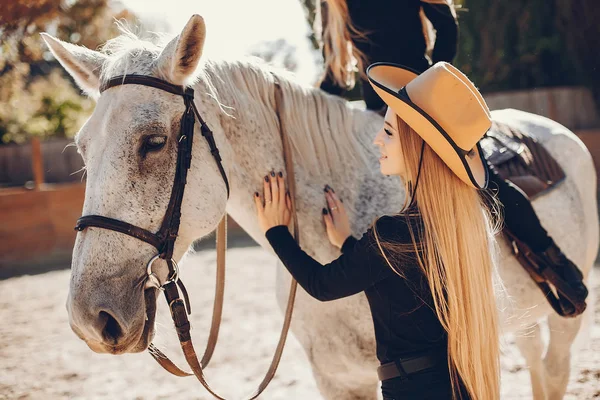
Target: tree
(578, 20)
(277, 52)
(36, 96)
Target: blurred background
(541, 56)
(535, 55)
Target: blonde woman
(360, 32)
(427, 270)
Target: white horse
(129, 152)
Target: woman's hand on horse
(336, 220)
(275, 207)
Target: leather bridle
(164, 239)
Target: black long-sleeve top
(394, 33)
(401, 307)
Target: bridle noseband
(164, 239)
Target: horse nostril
(112, 330)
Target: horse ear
(83, 64)
(180, 57)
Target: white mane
(320, 135)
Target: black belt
(407, 366)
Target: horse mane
(320, 127)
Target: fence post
(37, 163)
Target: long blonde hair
(342, 58)
(454, 251)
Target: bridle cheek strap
(164, 239)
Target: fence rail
(573, 107)
(60, 163)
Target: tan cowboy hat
(444, 107)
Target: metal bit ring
(153, 278)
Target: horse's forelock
(130, 53)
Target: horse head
(130, 149)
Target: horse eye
(154, 143)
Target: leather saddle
(522, 160)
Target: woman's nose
(378, 140)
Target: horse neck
(230, 110)
(253, 136)
(313, 121)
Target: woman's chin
(385, 169)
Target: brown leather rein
(164, 239)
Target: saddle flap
(521, 159)
(531, 185)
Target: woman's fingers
(338, 202)
(258, 203)
(331, 203)
(281, 185)
(267, 191)
(288, 201)
(327, 219)
(274, 188)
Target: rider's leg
(522, 221)
(519, 216)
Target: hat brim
(387, 80)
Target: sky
(233, 27)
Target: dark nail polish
(255, 194)
(280, 174)
(325, 212)
(326, 188)
(267, 178)
(272, 173)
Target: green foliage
(49, 106)
(37, 98)
(507, 45)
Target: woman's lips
(382, 157)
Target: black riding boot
(568, 272)
(521, 220)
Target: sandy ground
(40, 358)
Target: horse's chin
(148, 332)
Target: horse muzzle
(109, 330)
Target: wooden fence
(59, 163)
(572, 107)
(36, 223)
